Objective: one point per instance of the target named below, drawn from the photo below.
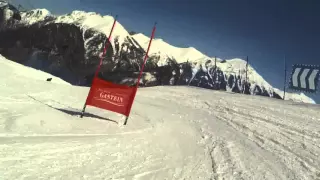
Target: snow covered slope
(18, 71)
(159, 48)
(173, 133)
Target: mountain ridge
(202, 66)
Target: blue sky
(266, 31)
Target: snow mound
(301, 97)
(16, 70)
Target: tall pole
(215, 63)
(246, 81)
(141, 70)
(215, 73)
(105, 46)
(285, 78)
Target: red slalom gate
(114, 97)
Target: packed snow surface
(172, 133)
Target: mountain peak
(102, 25)
(35, 16)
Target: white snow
(19, 71)
(301, 97)
(34, 16)
(167, 50)
(172, 133)
(92, 20)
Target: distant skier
(116, 44)
(132, 51)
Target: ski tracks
(225, 163)
(105, 156)
(235, 151)
(246, 139)
(297, 149)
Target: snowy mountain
(201, 62)
(69, 46)
(173, 132)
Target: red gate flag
(100, 63)
(110, 96)
(114, 97)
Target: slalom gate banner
(110, 96)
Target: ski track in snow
(172, 133)
(281, 138)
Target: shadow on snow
(74, 112)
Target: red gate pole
(100, 63)
(141, 71)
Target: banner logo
(112, 98)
